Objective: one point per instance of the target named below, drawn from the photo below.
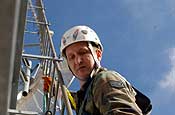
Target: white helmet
(78, 34)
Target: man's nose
(78, 60)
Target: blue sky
(138, 38)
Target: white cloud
(169, 80)
(163, 95)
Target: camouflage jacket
(108, 93)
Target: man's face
(80, 60)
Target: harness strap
(71, 99)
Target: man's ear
(99, 54)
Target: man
(102, 92)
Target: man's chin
(83, 78)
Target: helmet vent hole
(84, 31)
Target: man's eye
(71, 57)
(83, 52)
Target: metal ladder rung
(40, 57)
(31, 45)
(42, 23)
(31, 32)
(35, 7)
(22, 112)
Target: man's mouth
(82, 67)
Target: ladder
(40, 82)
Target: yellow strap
(71, 99)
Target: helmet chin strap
(97, 64)
(93, 51)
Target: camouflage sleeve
(114, 96)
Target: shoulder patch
(116, 84)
